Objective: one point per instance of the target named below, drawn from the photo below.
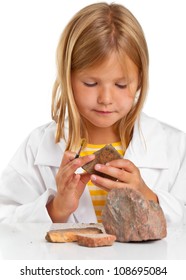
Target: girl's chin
(99, 125)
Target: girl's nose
(105, 96)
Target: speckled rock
(130, 217)
(102, 156)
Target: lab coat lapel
(49, 153)
(148, 147)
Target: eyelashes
(90, 84)
(95, 84)
(121, 86)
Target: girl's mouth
(103, 112)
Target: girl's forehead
(122, 64)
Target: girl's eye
(121, 86)
(90, 84)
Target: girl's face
(104, 94)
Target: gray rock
(131, 217)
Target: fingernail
(91, 156)
(107, 164)
(93, 178)
(97, 167)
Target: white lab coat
(28, 183)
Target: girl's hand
(70, 187)
(127, 175)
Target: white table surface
(27, 241)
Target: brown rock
(69, 234)
(130, 217)
(95, 240)
(104, 155)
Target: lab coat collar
(50, 153)
(147, 149)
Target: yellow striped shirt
(98, 195)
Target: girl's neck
(103, 136)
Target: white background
(29, 33)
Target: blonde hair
(93, 33)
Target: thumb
(85, 177)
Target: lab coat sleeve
(173, 208)
(173, 202)
(23, 191)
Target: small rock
(131, 217)
(102, 156)
(95, 240)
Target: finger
(73, 182)
(67, 157)
(74, 186)
(65, 172)
(105, 183)
(115, 172)
(125, 164)
(67, 169)
(86, 159)
(85, 177)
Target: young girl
(99, 92)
